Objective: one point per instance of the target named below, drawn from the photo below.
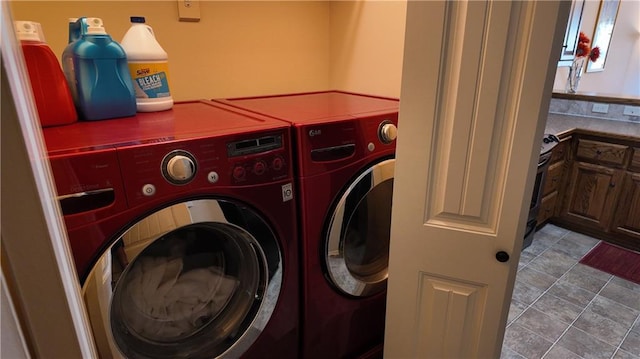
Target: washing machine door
(357, 241)
(198, 279)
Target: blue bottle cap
(137, 19)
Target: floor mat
(614, 260)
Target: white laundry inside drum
(182, 293)
(201, 289)
(164, 304)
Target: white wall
(621, 75)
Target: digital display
(256, 145)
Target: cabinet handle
(598, 152)
(612, 184)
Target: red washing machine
(182, 224)
(344, 153)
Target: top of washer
(186, 120)
(316, 107)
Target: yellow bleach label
(150, 79)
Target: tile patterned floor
(563, 309)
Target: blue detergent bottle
(96, 70)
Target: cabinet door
(547, 205)
(627, 218)
(561, 151)
(635, 160)
(591, 195)
(553, 178)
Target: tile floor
(563, 309)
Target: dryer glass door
(196, 279)
(357, 242)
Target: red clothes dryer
(344, 150)
(182, 224)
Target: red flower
(583, 48)
(583, 38)
(595, 54)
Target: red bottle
(50, 90)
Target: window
(571, 34)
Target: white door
(476, 87)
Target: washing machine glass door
(357, 240)
(196, 279)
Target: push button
(213, 177)
(277, 164)
(148, 190)
(259, 168)
(238, 172)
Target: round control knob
(238, 172)
(180, 168)
(259, 168)
(277, 163)
(387, 132)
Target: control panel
(162, 169)
(549, 141)
(329, 146)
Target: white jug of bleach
(149, 67)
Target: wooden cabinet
(635, 160)
(600, 191)
(591, 195)
(552, 182)
(626, 220)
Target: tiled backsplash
(614, 112)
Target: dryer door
(196, 279)
(357, 241)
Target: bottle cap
(138, 19)
(29, 30)
(95, 26)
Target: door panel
(357, 240)
(476, 87)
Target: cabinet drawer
(601, 152)
(552, 180)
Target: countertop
(563, 124)
(599, 97)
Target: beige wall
(622, 69)
(367, 42)
(238, 48)
(242, 48)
